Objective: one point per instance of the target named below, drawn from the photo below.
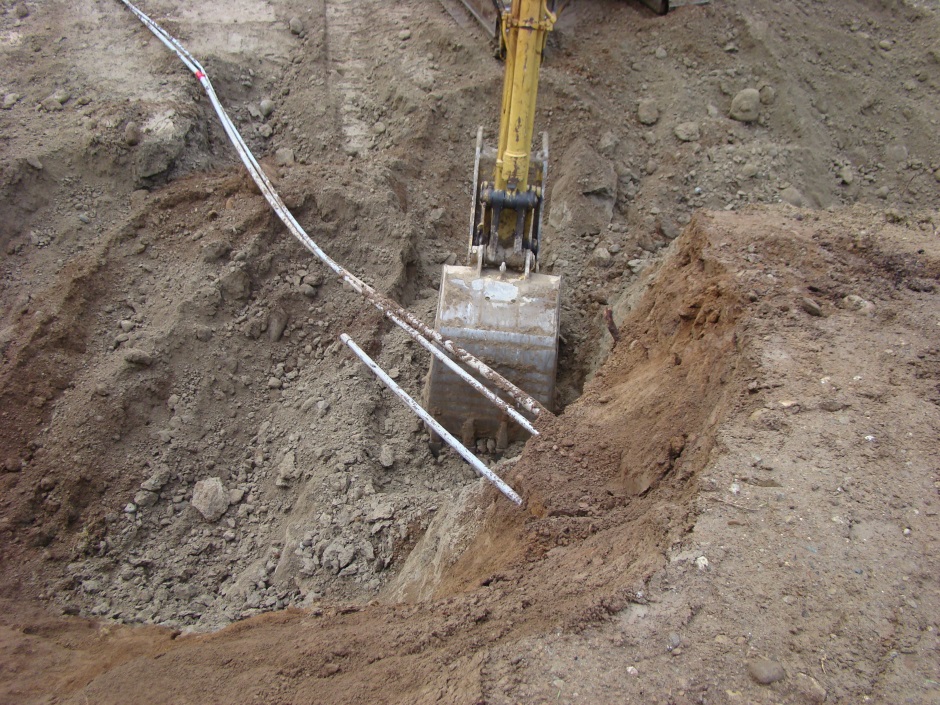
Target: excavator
(499, 306)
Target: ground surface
(739, 501)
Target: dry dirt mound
(673, 524)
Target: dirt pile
(652, 547)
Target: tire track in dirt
(347, 71)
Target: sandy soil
(738, 499)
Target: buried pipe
(404, 319)
(474, 461)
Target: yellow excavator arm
(507, 209)
(524, 31)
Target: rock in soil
(765, 671)
(210, 498)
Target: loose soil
(738, 499)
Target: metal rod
(405, 320)
(474, 461)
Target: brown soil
(738, 502)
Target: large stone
(284, 156)
(210, 498)
(56, 100)
(601, 256)
(216, 250)
(156, 481)
(793, 196)
(583, 198)
(809, 689)
(145, 498)
(381, 511)
(387, 456)
(132, 134)
(277, 322)
(745, 106)
(768, 95)
(811, 307)
(154, 158)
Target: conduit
(474, 461)
(404, 319)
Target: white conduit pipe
(405, 320)
(474, 461)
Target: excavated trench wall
(614, 474)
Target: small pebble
(132, 134)
(135, 356)
(811, 307)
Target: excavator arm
(506, 224)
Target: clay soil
(738, 499)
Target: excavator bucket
(660, 7)
(486, 12)
(510, 321)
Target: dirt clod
(765, 671)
